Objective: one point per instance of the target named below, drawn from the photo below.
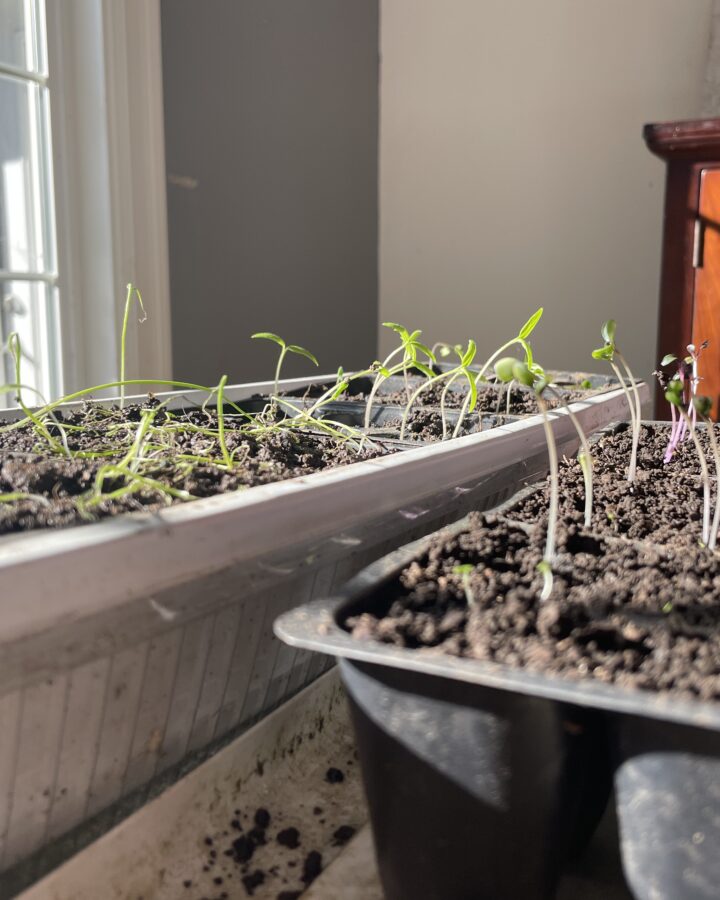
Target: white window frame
(105, 78)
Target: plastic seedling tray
(132, 647)
(460, 753)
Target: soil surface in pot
(664, 505)
(42, 488)
(426, 425)
(491, 398)
(620, 612)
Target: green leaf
(608, 331)
(673, 397)
(606, 352)
(385, 372)
(301, 351)
(528, 352)
(339, 389)
(505, 368)
(424, 369)
(398, 329)
(269, 336)
(585, 384)
(667, 359)
(469, 355)
(529, 326)
(464, 569)
(703, 405)
(424, 349)
(473, 392)
(412, 338)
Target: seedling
(674, 396)
(689, 378)
(522, 374)
(14, 348)
(284, 350)
(505, 373)
(584, 457)
(462, 370)
(132, 293)
(465, 571)
(702, 406)
(522, 340)
(410, 347)
(220, 408)
(609, 352)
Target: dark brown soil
(491, 398)
(622, 612)
(426, 424)
(664, 505)
(60, 485)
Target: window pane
(25, 210)
(30, 309)
(21, 32)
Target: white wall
(513, 173)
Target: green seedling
(523, 375)
(284, 350)
(703, 405)
(220, 407)
(584, 457)
(609, 352)
(17, 496)
(61, 447)
(410, 348)
(465, 571)
(522, 340)
(504, 371)
(132, 293)
(462, 370)
(444, 350)
(674, 396)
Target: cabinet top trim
(695, 139)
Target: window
(82, 210)
(28, 270)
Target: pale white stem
(584, 458)
(631, 408)
(712, 542)
(554, 482)
(376, 384)
(705, 477)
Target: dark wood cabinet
(690, 280)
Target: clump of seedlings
(522, 339)
(462, 370)
(609, 352)
(687, 375)
(409, 349)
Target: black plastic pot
(483, 781)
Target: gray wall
(513, 173)
(271, 117)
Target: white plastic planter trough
(131, 646)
